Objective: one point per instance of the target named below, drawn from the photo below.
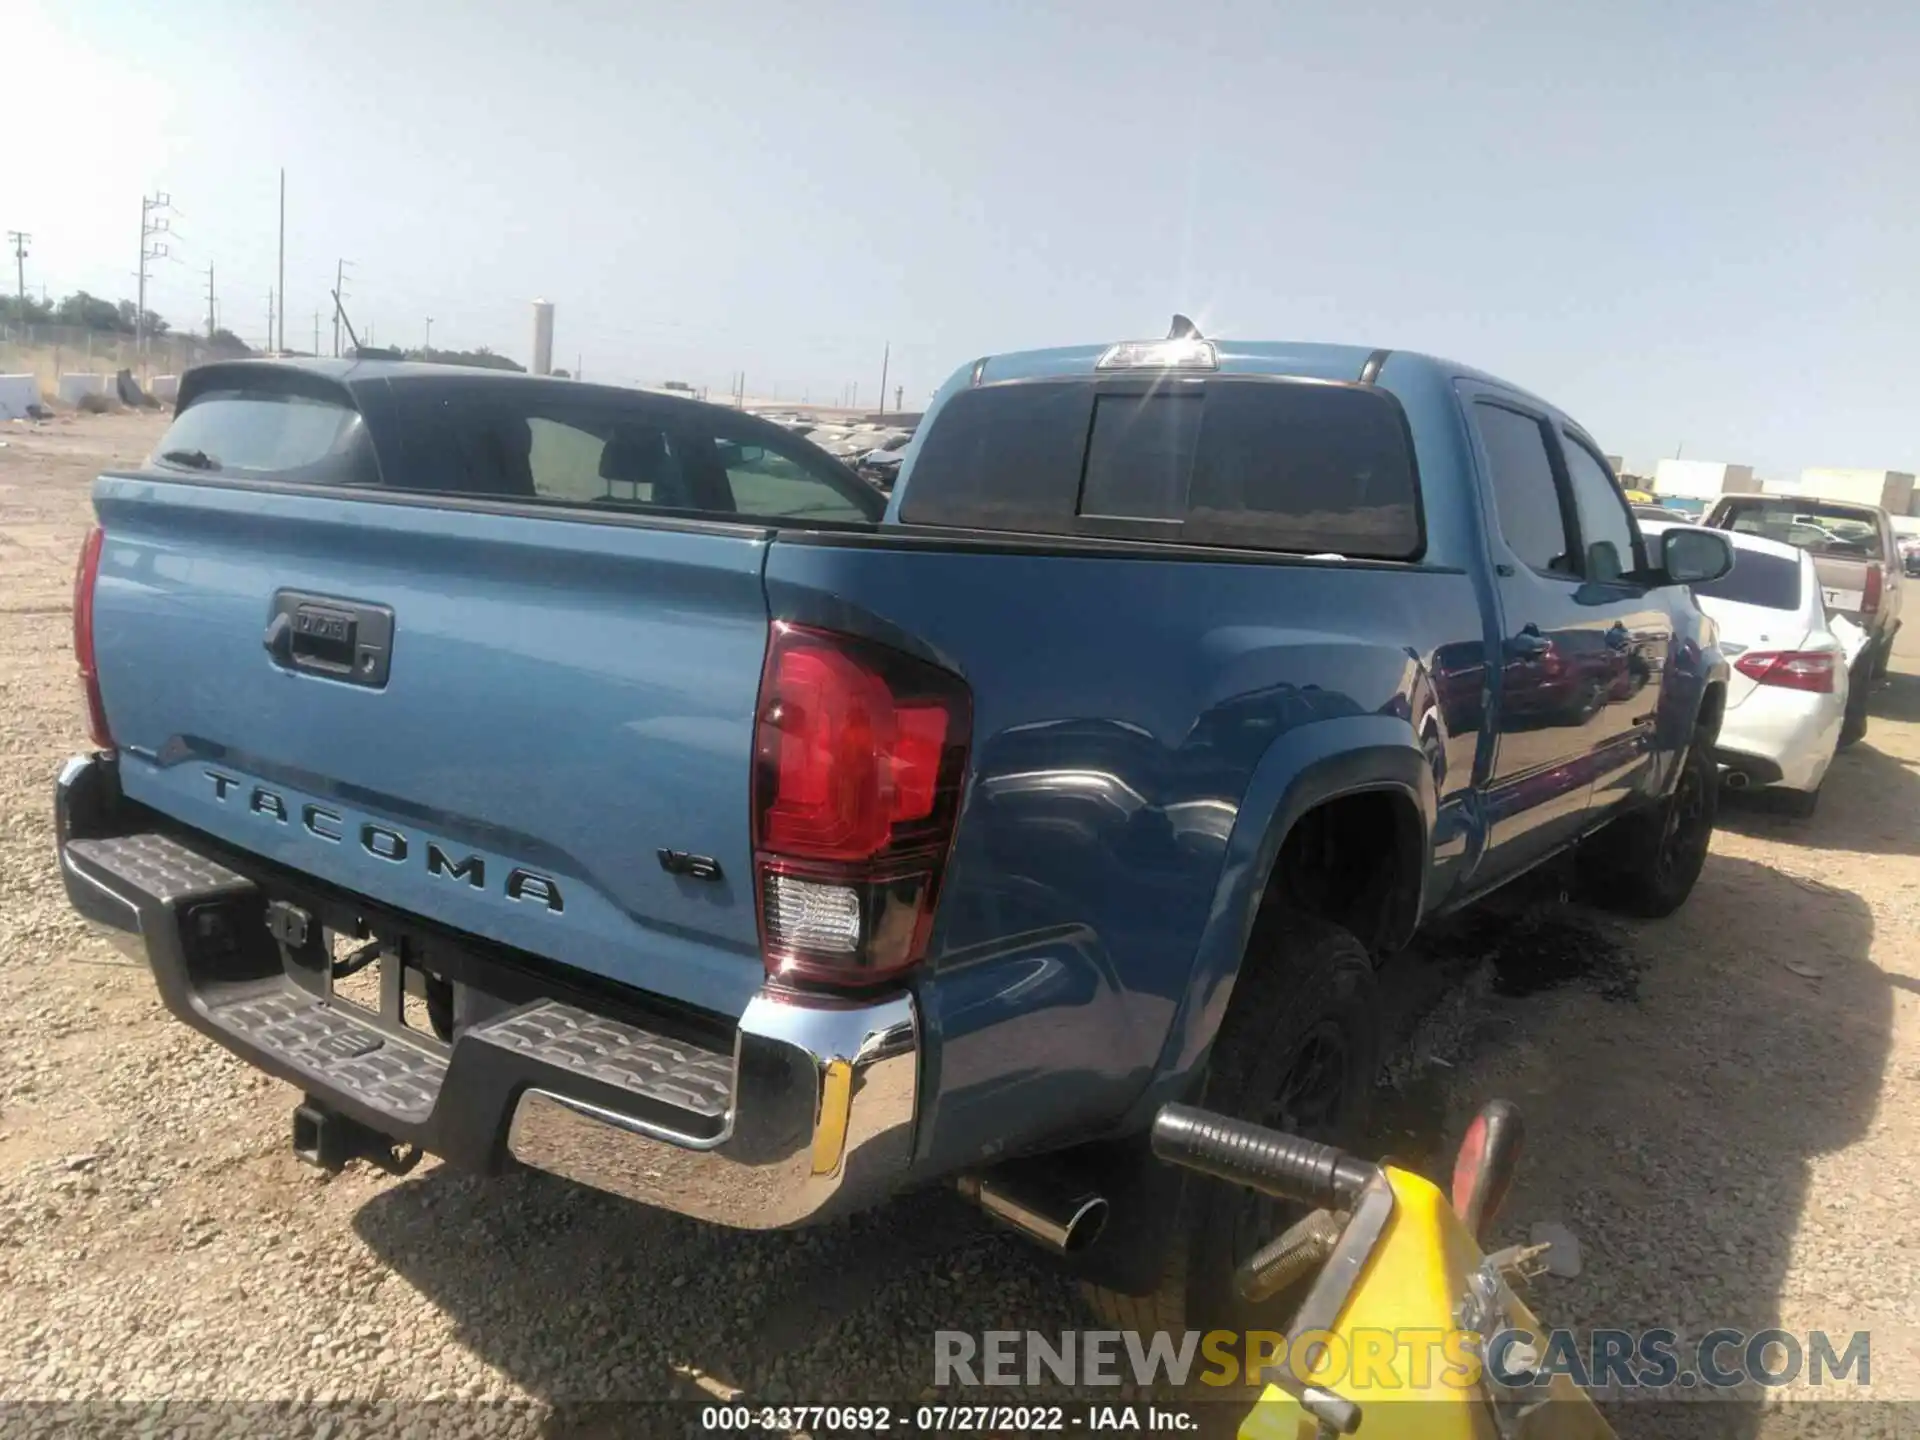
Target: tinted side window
(768, 483)
(629, 462)
(1526, 500)
(1605, 529)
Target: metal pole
(210, 324)
(20, 239)
(316, 332)
(283, 260)
(426, 345)
(269, 320)
(140, 293)
(885, 356)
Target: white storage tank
(543, 337)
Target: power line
(282, 281)
(19, 239)
(151, 224)
(340, 268)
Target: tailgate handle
(345, 640)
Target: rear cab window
(1823, 528)
(1302, 467)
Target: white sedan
(1788, 691)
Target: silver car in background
(1787, 695)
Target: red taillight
(1791, 669)
(1870, 590)
(858, 757)
(84, 576)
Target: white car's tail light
(1790, 669)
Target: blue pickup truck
(702, 825)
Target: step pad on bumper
(634, 1060)
(161, 867)
(324, 1041)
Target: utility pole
(340, 269)
(210, 325)
(885, 356)
(316, 332)
(152, 223)
(282, 281)
(269, 320)
(899, 395)
(426, 346)
(19, 239)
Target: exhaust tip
(1084, 1225)
(1044, 1206)
(1737, 780)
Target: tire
(1853, 726)
(1645, 864)
(1298, 1050)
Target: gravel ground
(1720, 1106)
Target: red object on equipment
(1483, 1171)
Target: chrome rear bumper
(811, 1115)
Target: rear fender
(1302, 770)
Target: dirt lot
(1722, 1106)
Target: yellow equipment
(1390, 1339)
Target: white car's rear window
(1757, 578)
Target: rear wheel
(1646, 863)
(1297, 1051)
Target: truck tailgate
(563, 701)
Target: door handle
(1529, 644)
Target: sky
(1696, 228)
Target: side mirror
(1694, 556)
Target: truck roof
(1311, 360)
